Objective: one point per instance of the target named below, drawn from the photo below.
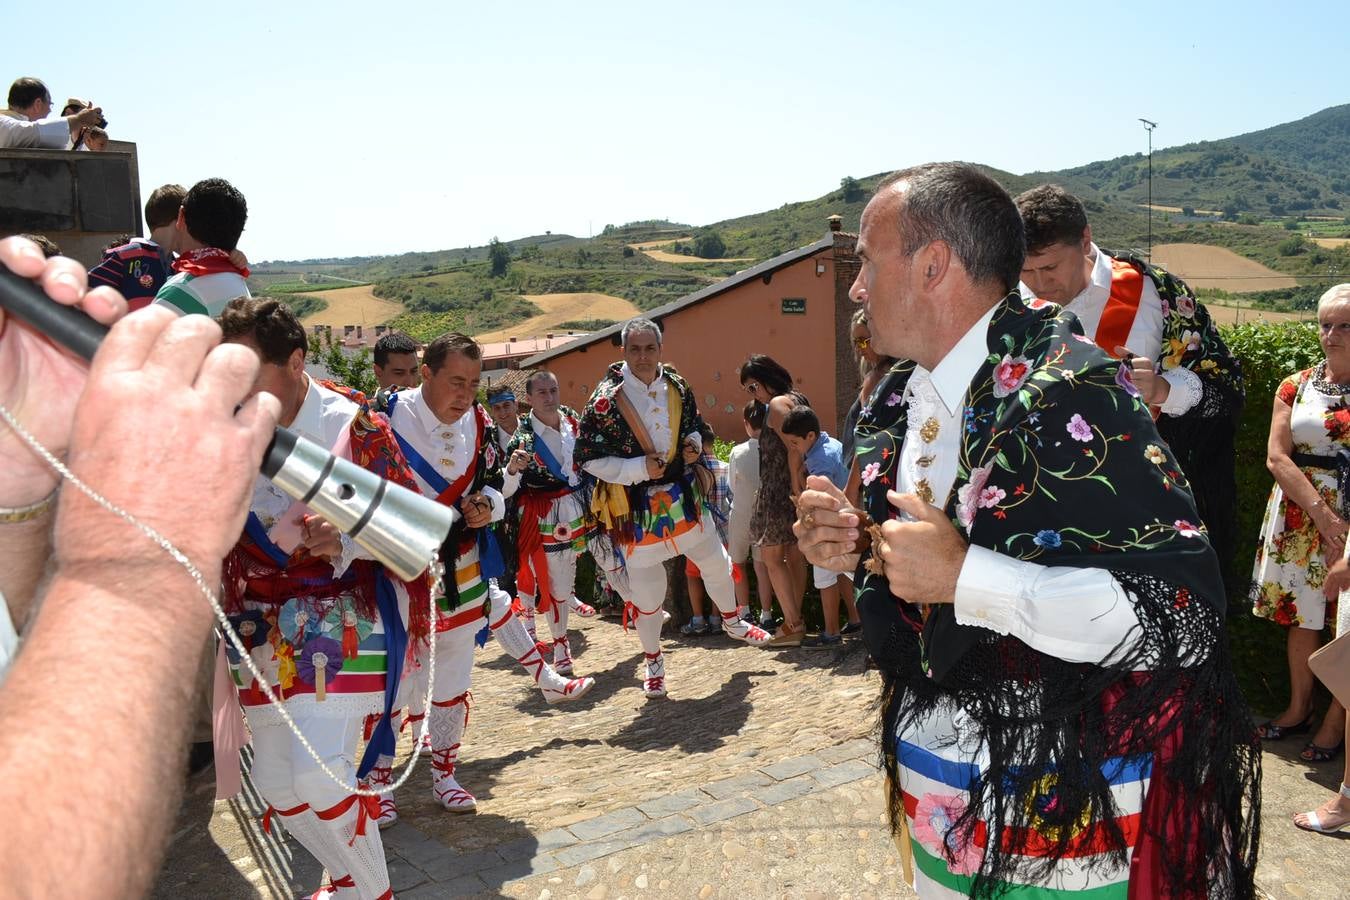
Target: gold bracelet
(27, 513)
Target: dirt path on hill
(559, 308)
(352, 306)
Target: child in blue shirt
(822, 455)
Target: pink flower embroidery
(1186, 306)
(1010, 374)
(1079, 429)
(894, 399)
(969, 495)
(870, 472)
(934, 818)
(1084, 339)
(991, 497)
(1186, 529)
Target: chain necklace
(228, 631)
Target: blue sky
(369, 128)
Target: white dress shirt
(447, 447)
(651, 402)
(323, 418)
(1075, 614)
(18, 131)
(1146, 332)
(9, 639)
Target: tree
(500, 256)
(851, 189)
(352, 371)
(1291, 246)
(1188, 211)
(709, 245)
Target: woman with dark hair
(771, 523)
(872, 367)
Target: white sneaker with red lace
(338, 887)
(453, 797)
(382, 777)
(572, 689)
(585, 610)
(562, 656)
(654, 684)
(741, 630)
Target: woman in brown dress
(771, 522)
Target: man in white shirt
(26, 124)
(1136, 311)
(451, 444)
(552, 521)
(641, 439)
(1046, 613)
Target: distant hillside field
(1331, 243)
(681, 259)
(352, 306)
(1203, 266)
(1233, 315)
(559, 308)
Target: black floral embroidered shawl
(1060, 464)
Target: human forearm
(618, 470)
(24, 548)
(1295, 485)
(99, 656)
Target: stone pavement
(755, 778)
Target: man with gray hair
(1045, 610)
(641, 438)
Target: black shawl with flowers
(1060, 464)
(1201, 438)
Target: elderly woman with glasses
(770, 384)
(1304, 529)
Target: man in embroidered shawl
(1047, 613)
(641, 439)
(327, 627)
(451, 446)
(1179, 363)
(551, 521)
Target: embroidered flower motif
(894, 399)
(490, 453)
(1084, 339)
(992, 496)
(562, 532)
(1125, 380)
(602, 405)
(870, 472)
(1010, 374)
(1186, 529)
(1154, 454)
(1047, 539)
(1079, 429)
(968, 496)
(1186, 306)
(935, 816)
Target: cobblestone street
(755, 778)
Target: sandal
(1314, 754)
(1273, 732)
(1315, 823)
(786, 638)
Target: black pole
(1149, 126)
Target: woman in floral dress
(1304, 529)
(771, 521)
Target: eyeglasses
(862, 343)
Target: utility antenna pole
(1149, 126)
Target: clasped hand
(921, 555)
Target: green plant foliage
(353, 370)
(303, 306)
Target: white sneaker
(585, 610)
(574, 689)
(741, 630)
(452, 796)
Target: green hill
(1253, 193)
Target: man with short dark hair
(451, 444)
(208, 226)
(396, 361)
(1134, 310)
(641, 438)
(1059, 708)
(320, 620)
(552, 522)
(139, 268)
(26, 124)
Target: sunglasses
(862, 343)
